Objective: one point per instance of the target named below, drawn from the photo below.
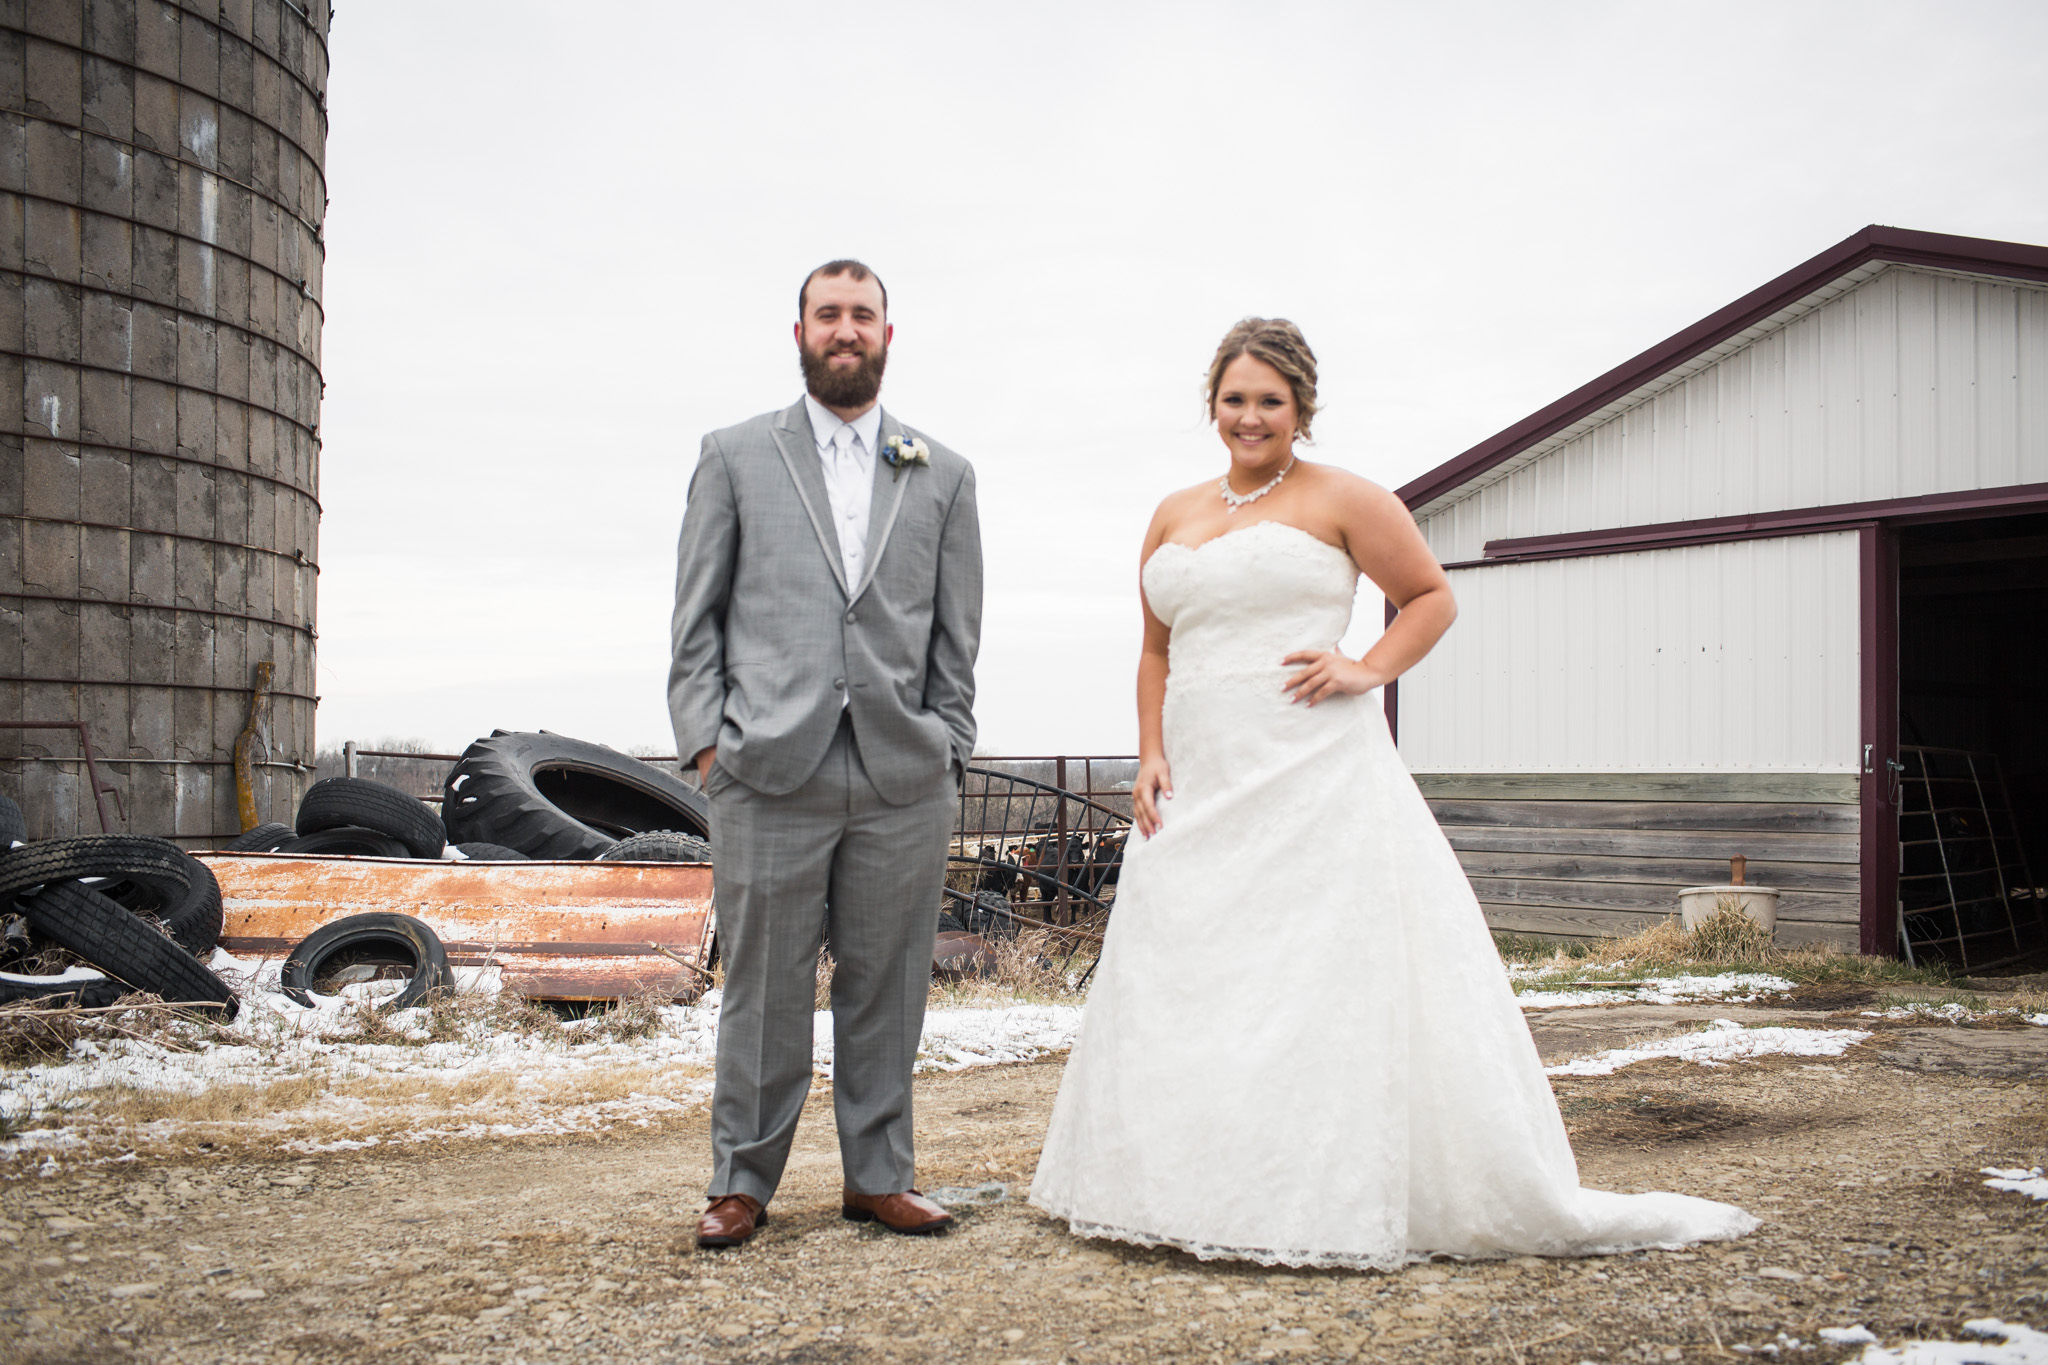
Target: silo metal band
(296, 559)
(158, 606)
(42, 434)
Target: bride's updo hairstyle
(1280, 344)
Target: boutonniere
(898, 452)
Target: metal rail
(1970, 873)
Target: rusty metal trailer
(555, 930)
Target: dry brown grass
(1726, 939)
(317, 1108)
(1026, 967)
(456, 1016)
(1730, 937)
(31, 1031)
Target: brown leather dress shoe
(907, 1212)
(731, 1220)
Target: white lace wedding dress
(1300, 1047)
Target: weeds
(1020, 968)
(1730, 937)
(36, 1033)
(628, 1020)
(1665, 949)
(468, 1016)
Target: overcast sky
(564, 243)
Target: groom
(828, 611)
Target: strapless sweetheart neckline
(1247, 530)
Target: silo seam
(155, 302)
(42, 434)
(297, 558)
(310, 430)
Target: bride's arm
(1154, 780)
(1388, 547)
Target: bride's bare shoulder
(1174, 508)
(1350, 497)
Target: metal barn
(1776, 587)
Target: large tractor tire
(553, 797)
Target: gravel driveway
(577, 1249)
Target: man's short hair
(853, 268)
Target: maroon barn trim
(1878, 836)
(1962, 506)
(1893, 246)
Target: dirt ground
(578, 1249)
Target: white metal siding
(1732, 657)
(1911, 383)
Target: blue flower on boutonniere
(898, 452)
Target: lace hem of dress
(1207, 1251)
(1390, 1261)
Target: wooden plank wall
(1581, 855)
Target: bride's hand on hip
(1153, 782)
(1327, 673)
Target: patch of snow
(2014, 1345)
(68, 974)
(1952, 1013)
(1721, 1042)
(274, 1039)
(1735, 988)
(2031, 1183)
(1859, 1335)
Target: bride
(1301, 1048)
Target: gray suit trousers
(830, 857)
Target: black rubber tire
(192, 914)
(265, 838)
(491, 853)
(553, 797)
(13, 828)
(123, 946)
(658, 846)
(358, 933)
(358, 803)
(347, 841)
(118, 857)
(52, 994)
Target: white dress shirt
(847, 451)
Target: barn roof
(1835, 271)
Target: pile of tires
(141, 911)
(513, 796)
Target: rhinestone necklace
(1237, 500)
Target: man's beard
(854, 388)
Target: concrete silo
(161, 198)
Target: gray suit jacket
(769, 638)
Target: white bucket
(1760, 903)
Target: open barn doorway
(1972, 780)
